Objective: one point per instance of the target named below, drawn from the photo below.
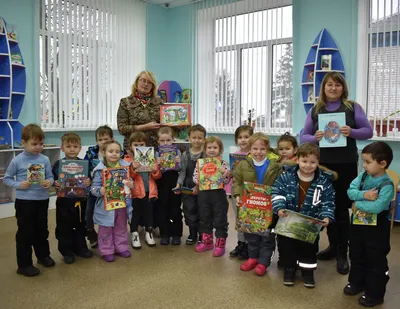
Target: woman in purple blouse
(343, 160)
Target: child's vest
(190, 166)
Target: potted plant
(385, 123)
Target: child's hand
(24, 185)
(319, 135)
(128, 183)
(177, 159)
(282, 213)
(103, 191)
(45, 184)
(87, 182)
(221, 169)
(136, 164)
(195, 190)
(57, 184)
(326, 222)
(371, 195)
(177, 187)
(238, 201)
(345, 130)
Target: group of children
(153, 200)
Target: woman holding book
(141, 110)
(333, 98)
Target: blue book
(330, 124)
(234, 160)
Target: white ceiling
(171, 3)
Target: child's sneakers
(109, 257)
(84, 254)
(69, 259)
(240, 252)
(164, 241)
(47, 261)
(136, 241)
(29, 271)
(260, 270)
(288, 276)
(367, 301)
(92, 236)
(352, 290)
(176, 240)
(150, 239)
(192, 238)
(249, 264)
(207, 243)
(308, 278)
(219, 247)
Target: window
(245, 66)
(88, 60)
(378, 75)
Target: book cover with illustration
(364, 218)
(299, 226)
(326, 62)
(255, 212)
(187, 95)
(167, 154)
(36, 173)
(330, 124)
(112, 180)
(210, 178)
(310, 76)
(184, 190)
(234, 160)
(310, 96)
(72, 176)
(145, 156)
(175, 115)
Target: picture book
(36, 173)
(167, 154)
(184, 190)
(163, 95)
(72, 176)
(330, 124)
(16, 58)
(145, 156)
(310, 76)
(255, 212)
(113, 181)
(2, 26)
(234, 160)
(299, 226)
(364, 218)
(310, 95)
(178, 97)
(187, 96)
(175, 115)
(326, 62)
(183, 133)
(210, 178)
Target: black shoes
(308, 278)
(30, 271)
(84, 254)
(92, 236)
(288, 276)
(342, 265)
(240, 252)
(47, 261)
(352, 290)
(69, 259)
(193, 236)
(327, 254)
(368, 301)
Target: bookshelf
(323, 47)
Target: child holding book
(70, 212)
(197, 135)
(31, 201)
(287, 147)
(260, 166)
(94, 155)
(169, 204)
(242, 135)
(372, 192)
(113, 232)
(213, 205)
(306, 189)
(144, 195)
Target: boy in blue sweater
(29, 173)
(372, 192)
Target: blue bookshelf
(323, 46)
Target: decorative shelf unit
(323, 45)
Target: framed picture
(175, 115)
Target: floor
(172, 277)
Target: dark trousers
(339, 230)
(213, 212)
(169, 206)
(190, 210)
(70, 228)
(32, 230)
(369, 246)
(142, 213)
(91, 201)
(261, 247)
(293, 252)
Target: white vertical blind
(89, 58)
(239, 71)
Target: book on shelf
(167, 155)
(210, 178)
(145, 156)
(12, 32)
(326, 62)
(255, 212)
(187, 96)
(72, 176)
(310, 76)
(330, 124)
(234, 160)
(35, 173)
(2, 25)
(364, 218)
(16, 58)
(310, 95)
(175, 114)
(183, 190)
(298, 226)
(113, 181)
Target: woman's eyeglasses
(145, 81)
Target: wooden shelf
(328, 48)
(13, 41)
(19, 93)
(307, 83)
(18, 65)
(310, 64)
(4, 75)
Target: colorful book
(330, 124)
(326, 62)
(145, 156)
(184, 190)
(16, 58)
(310, 76)
(168, 154)
(113, 182)
(36, 173)
(210, 178)
(187, 96)
(72, 176)
(175, 115)
(234, 160)
(310, 95)
(299, 226)
(364, 218)
(255, 212)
